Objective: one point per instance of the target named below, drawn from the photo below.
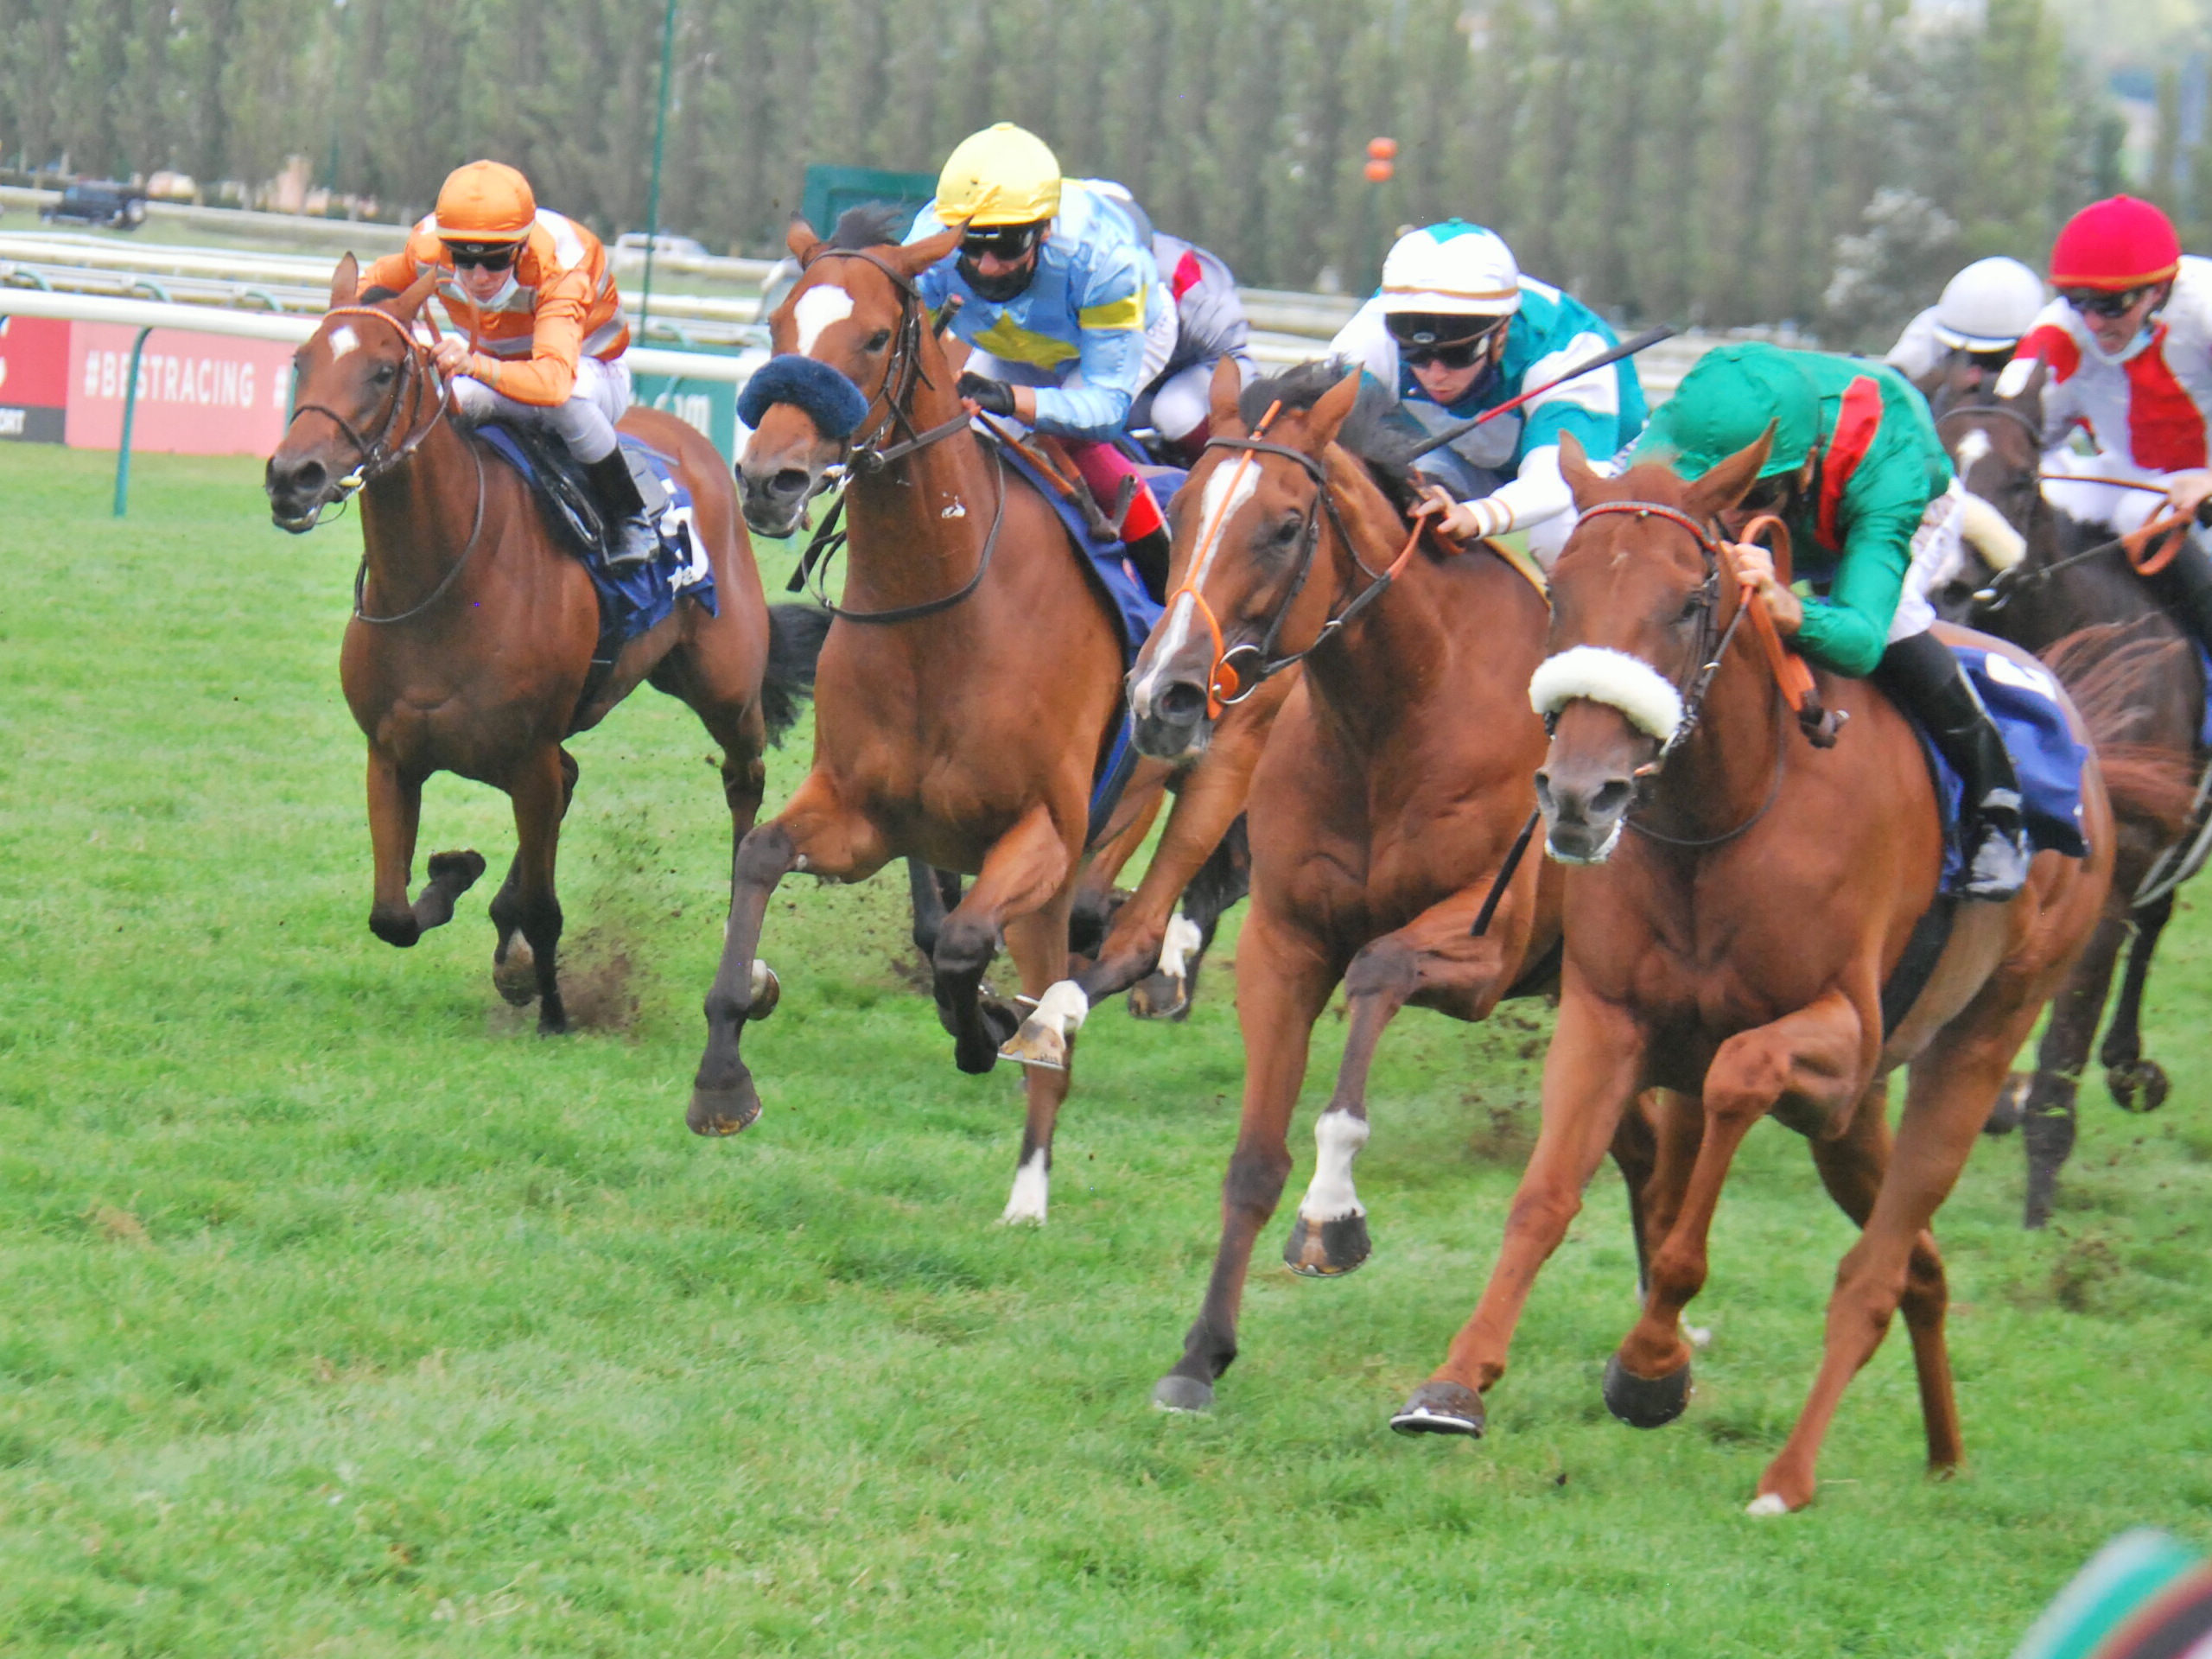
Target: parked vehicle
(101, 202)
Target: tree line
(1718, 161)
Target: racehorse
(1744, 899)
(2097, 625)
(1384, 809)
(471, 643)
(968, 685)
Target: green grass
(340, 1314)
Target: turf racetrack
(343, 1315)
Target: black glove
(994, 396)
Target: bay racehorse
(471, 643)
(968, 688)
(1385, 806)
(1743, 899)
(2101, 630)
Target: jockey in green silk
(1857, 473)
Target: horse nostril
(310, 476)
(789, 481)
(1545, 804)
(1611, 797)
(1180, 702)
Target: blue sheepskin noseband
(832, 402)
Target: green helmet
(1727, 401)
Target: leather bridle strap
(371, 459)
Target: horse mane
(871, 225)
(1366, 434)
(2104, 668)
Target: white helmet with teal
(1452, 270)
(1988, 306)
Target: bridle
(867, 455)
(1227, 684)
(375, 456)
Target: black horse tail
(795, 637)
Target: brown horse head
(1247, 526)
(1636, 600)
(1995, 439)
(357, 393)
(837, 337)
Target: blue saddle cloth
(633, 597)
(2025, 701)
(1105, 560)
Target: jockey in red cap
(2128, 345)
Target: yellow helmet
(485, 201)
(1002, 176)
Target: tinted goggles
(1768, 493)
(2096, 303)
(1419, 346)
(1003, 241)
(490, 256)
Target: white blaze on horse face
(342, 340)
(817, 310)
(1974, 449)
(1230, 487)
(1337, 1137)
(1031, 1185)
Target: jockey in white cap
(1982, 315)
(1456, 330)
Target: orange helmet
(485, 202)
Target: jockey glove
(995, 396)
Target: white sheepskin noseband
(1613, 677)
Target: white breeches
(2081, 496)
(1938, 555)
(585, 422)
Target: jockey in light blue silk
(1458, 330)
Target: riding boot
(2184, 587)
(1926, 679)
(1148, 553)
(630, 536)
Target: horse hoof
(1646, 1402)
(767, 991)
(514, 971)
(723, 1111)
(1439, 1408)
(1768, 1503)
(1160, 996)
(1038, 1043)
(1328, 1251)
(401, 929)
(2010, 1105)
(1175, 1392)
(2146, 1077)
(461, 869)
(1000, 1023)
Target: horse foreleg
(1592, 1071)
(395, 817)
(539, 790)
(1283, 982)
(1432, 958)
(2048, 1117)
(514, 963)
(1818, 1055)
(933, 891)
(1038, 945)
(1024, 870)
(2127, 1074)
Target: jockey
(1064, 307)
(1860, 477)
(1984, 311)
(531, 290)
(1458, 329)
(2128, 347)
(1209, 325)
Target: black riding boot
(1921, 673)
(1148, 554)
(2184, 587)
(630, 538)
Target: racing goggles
(2096, 303)
(490, 256)
(1002, 241)
(1419, 344)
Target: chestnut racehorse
(1385, 805)
(1729, 952)
(2102, 631)
(966, 687)
(471, 644)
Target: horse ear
(917, 257)
(1574, 467)
(344, 281)
(2027, 398)
(410, 299)
(801, 240)
(1730, 480)
(956, 353)
(1331, 409)
(1227, 386)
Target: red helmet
(2115, 245)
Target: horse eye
(383, 376)
(878, 340)
(1691, 607)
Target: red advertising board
(198, 394)
(33, 379)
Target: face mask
(998, 290)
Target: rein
(1226, 684)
